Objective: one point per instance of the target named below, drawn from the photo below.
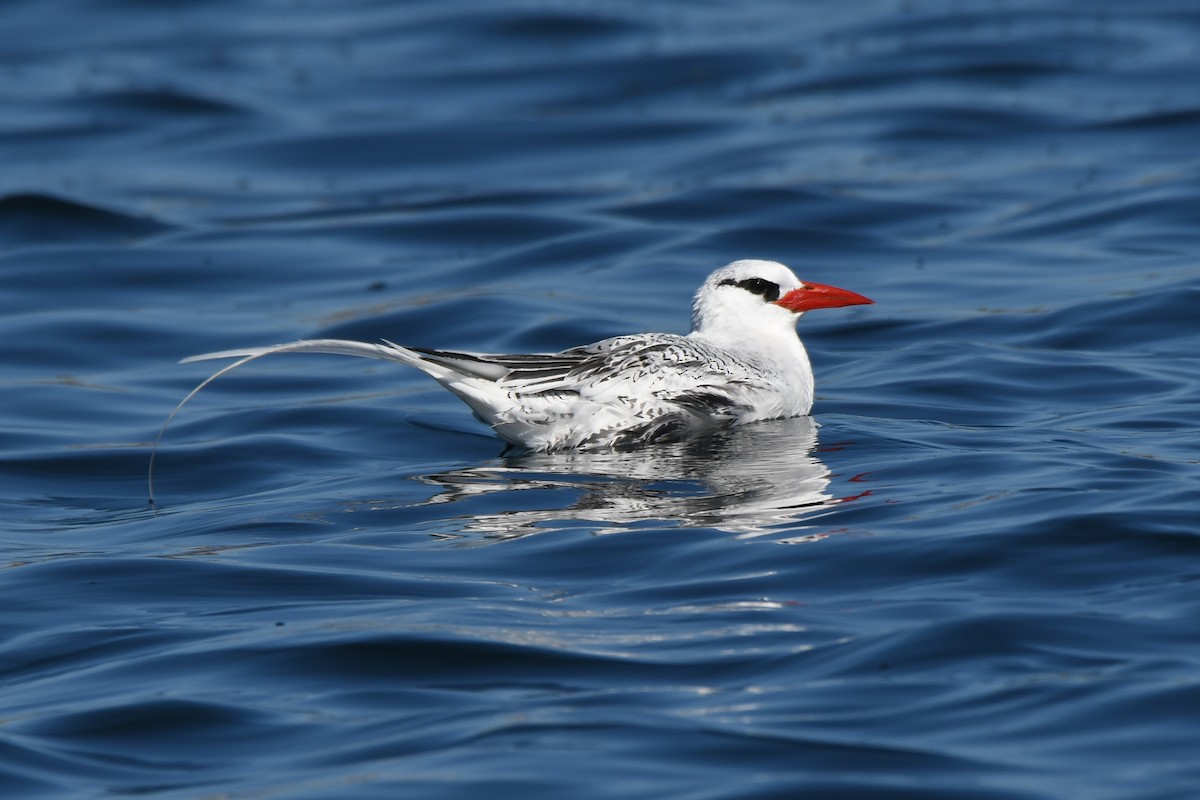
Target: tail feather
(386, 351)
(470, 376)
(337, 347)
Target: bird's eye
(766, 289)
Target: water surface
(972, 574)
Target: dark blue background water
(974, 577)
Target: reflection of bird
(742, 362)
(754, 480)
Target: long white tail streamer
(384, 351)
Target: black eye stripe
(760, 286)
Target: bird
(742, 362)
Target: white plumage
(742, 362)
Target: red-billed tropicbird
(742, 362)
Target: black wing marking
(660, 430)
(504, 368)
(710, 403)
(680, 363)
(637, 357)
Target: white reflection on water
(752, 481)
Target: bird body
(741, 363)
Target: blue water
(972, 574)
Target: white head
(753, 299)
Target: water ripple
(346, 591)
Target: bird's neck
(781, 349)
